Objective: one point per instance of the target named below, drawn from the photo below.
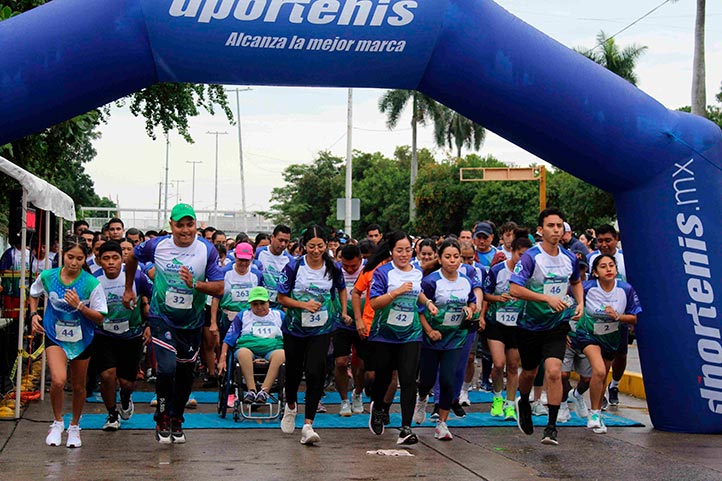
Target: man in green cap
(186, 270)
(256, 333)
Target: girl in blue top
(453, 294)
(395, 336)
(313, 290)
(76, 302)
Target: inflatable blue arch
(70, 56)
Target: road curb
(631, 384)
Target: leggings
(306, 354)
(460, 371)
(403, 358)
(445, 362)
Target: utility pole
(167, 154)
(349, 162)
(160, 199)
(193, 187)
(240, 154)
(177, 183)
(215, 195)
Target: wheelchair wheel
(222, 396)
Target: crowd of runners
(397, 313)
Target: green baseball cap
(258, 294)
(182, 210)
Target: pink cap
(244, 250)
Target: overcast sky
(282, 126)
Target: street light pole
(193, 187)
(349, 162)
(177, 189)
(215, 195)
(167, 154)
(240, 154)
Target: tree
(584, 205)
(423, 108)
(457, 131)
(621, 62)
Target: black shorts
(623, 339)
(504, 334)
(122, 354)
(207, 317)
(343, 339)
(80, 357)
(535, 346)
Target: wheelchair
(232, 382)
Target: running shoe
(524, 421)
(162, 430)
(309, 436)
(111, 422)
(176, 431)
(126, 413)
(250, 397)
(288, 423)
(594, 421)
(357, 404)
(497, 407)
(442, 432)
(435, 413)
(543, 398)
(407, 437)
(192, 403)
(73, 436)
(150, 376)
(458, 410)
(345, 409)
(539, 409)
(387, 418)
(261, 397)
(420, 410)
(602, 429)
(564, 414)
(321, 408)
(486, 386)
(605, 402)
(231, 401)
(464, 394)
(376, 420)
(613, 396)
(210, 381)
(550, 436)
(580, 406)
(509, 411)
(55, 434)
(154, 401)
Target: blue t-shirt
(399, 321)
(497, 283)
(450, 297)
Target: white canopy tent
(48, 198)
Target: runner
(542, 278)
(346, 337)
(609, 302)
(483, 238)
(186, 270)
(508, 234)
(608, 241)
(373, 233)
(396, 332)
(273, 259)
(116, 229)
(452, 292)
(76, 303)
(501, 320)
(313, 290)
(118, 342)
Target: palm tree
(424, 108)
(610, 56)
(457, 131)
(699, 91)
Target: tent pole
(43, 360)
(23, 296)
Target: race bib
(602, 328)
(453, 318)
(314, 319)
(240, 295)
(507, 317)
(68, 332)
(116, 327)
(272, 295)
(556, 286)
(400, 318)
(262, 330)
(178, 300)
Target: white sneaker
(543, 398)
(539, 409)
(288, 423)
(602, 429)
(564, 414)
(55, 434)
(73, 436)
(357, 404)
(345, 408)
(125, 414)
(464, 397)
(442, 432)
(580, 406)
(420, 410)
(308, 435)
(594, 421)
